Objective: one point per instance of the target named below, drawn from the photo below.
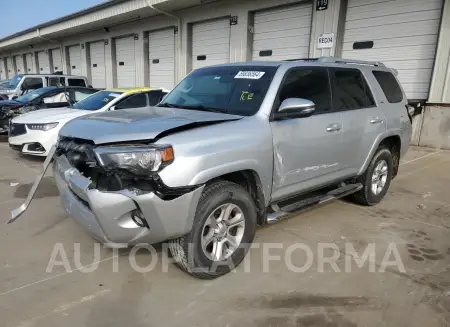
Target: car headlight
(42, 127)
(139, 160)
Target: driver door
(55, 100)
(307, 151)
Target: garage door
(10, 67)
(161, 54)
(210, 43)
(282, 33)
(43, 62)
(2, 70)
(400, 33)
(30, 63)
(20, 66)
(75, 60)
(56, 60)
(97, 64)
(125, 62)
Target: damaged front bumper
(110, 217)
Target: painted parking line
(420, 158)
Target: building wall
(240, 38)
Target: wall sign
(321, 5)
(325, 41)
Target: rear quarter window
(76, 82)
(389, 85)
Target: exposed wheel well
(249, 180)
(393, 143)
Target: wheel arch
(389, 141)
(250, 180)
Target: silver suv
(232, 147)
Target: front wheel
(376, 179)
(224, 227)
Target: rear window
(389, 85)
(76, 82)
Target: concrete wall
(435, 127)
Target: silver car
(231, 147)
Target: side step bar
(296, 207)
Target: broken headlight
(139, 160)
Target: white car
(36, 132)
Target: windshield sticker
(217, 77)
(114, 95)
(249, 74)
(245, 95)
(105, 100)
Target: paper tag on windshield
(249, 74)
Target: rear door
(307, 151)
(363, 119)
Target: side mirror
(295, 108)
(112, 108)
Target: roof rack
(341, 61)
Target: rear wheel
(224, 227)
(376, 179)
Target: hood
(139, 124)
(10, 104)
(50, 116)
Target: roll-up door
(30, 63)
(56, 60)
(282, 33)
(20, 67)
(97, 64)
(10, 67)
(125, 62)
(161, 55)
(210, 43)
(400, 33)
(43, 62)
(75, 59)
(2, 70)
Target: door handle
(333, 128)
(376, 121)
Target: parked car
(35, 132)
(47, 97)
(4, 84)
(231, 147)
(23, 83)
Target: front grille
(17, 129)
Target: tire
(192, 253)
(366, 196)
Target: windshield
(237, 90)
(97, 100)
(33, 95)
(15, 81)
